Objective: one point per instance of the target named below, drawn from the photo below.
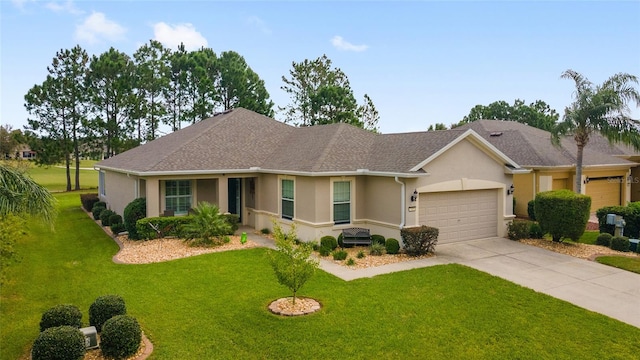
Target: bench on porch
(356, 236)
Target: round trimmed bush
(60, 315)
(104, 308)
(115, 219)
(59, 343)
(97, 211)
(329, 242)
(105, 217)
(377, 239)
(134, 211)
(620, 243)
(604, 239)
(99, 203)
(392, 245)
(117, 228)
(324, 251)
(562, 213)
(535, 231)
(120, 337)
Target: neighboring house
(322, 178)
(23, 151)
(608, 170)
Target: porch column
(223, 194)
(153, 197)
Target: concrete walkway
(590, 285)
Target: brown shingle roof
(531, 147)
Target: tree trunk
(579, 167)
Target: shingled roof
(531, 147)
(241, 140)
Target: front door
(235, 197)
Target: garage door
(460, 215)
(603, 192)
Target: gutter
(403, 199)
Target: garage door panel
(461, 215)
(603, 192)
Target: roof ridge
(328, 146)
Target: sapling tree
(291, 262)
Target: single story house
(322, 178)
(608, 173)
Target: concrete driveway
(590, 285)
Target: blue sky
(421, 62)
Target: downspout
(403, 199)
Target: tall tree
(600, 108)
(368, 114)
(334, 104)
(202, 97)
(8, 142)
(152, 69)
(112, 75)
(175, 94)
(239, 86)
(438, 126)
(537, 114)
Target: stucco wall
(120, 190)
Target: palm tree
(603, 109)
(19, 194)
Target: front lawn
(622, 262)
(214, 306)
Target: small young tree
(291, 261)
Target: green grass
(54, 178)
(589, 237)
(622, 262)
(215, 306)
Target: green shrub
(59, 343)
(105, 216)
(120, 338)
(104, 308)
(518, 229)
(117, 228)
(419, 240)
(265, 231)
(97, 211)
(339, 255)
(115, 219)
(531, 210)
(324, 251)
(60, 315)
(620, 243)
(234, 221)
(376, 249)
(604, 239)
(340, 241)
(392, 246)
(207, 224)
(350, 262)
(377, 239)
(99, 203)
(134, 211)
(88, 200)
(361, 255)
(159, 227)
(329, 242)
(630, 213)
(535, 231)
(562, 213)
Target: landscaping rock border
(303, 306)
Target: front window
(287, 199)
(342, 202)
(178, 196)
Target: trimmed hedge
(329, 242)
(519, 229)
(104, 308)
(562, 213)
(115, 219)
(531, 210)
(120, 337)
(620, 243)
(134, 211)
(97, 211)
(419, 240)
(60, 315)
(88, 200)
(535, 231)
(630, 213)
(59, 343)
(377, 239)
(105, 217)
(99, 203)
(392, 245)
(604, 239)
(165, 225)
(117, 228)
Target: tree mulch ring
(302, 306)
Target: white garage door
(460, 215)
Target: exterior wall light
(510, 190)
(414, 197)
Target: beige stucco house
(611, 175)
(322, 178)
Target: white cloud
(259, 23)
(97, 27)
(172, 35)
(21, 3)
(342, 44)
(64, 6)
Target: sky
(421, 62)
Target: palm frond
(20, 194)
